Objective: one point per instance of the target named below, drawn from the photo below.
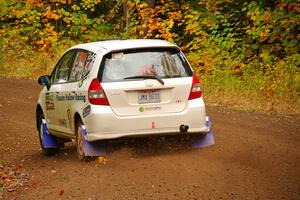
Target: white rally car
(120, 88)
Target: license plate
(149, 97)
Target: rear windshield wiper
(147, 77)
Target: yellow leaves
(117, 27)
(131, 4)
(160, 22)
(49, 30)
(2, 31)
(262, 34)
(264, 55)
(150, 20)
(75, 7)
(281, 6)
(236, 67)
(50, 15)
(101, 160)
(144, 26)
(44, 43)
(267, 17)
(170, 24)
(55, 16)
(82, 28)
(254, 15)
(175, 15)
(141, 32)
(189, 16)
(30, 2)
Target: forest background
(246, 53)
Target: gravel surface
(256, 156)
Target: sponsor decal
(178, 101)
(119, 55)
(71, 97)
(60, 98)
(80, 83)
(63, 122)
(49, 101)
(154, 108)
(86, 111)
(69, 117)
(142, 109)
(80, 97)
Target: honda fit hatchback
(120, 88)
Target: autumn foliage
(246, 52)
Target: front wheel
(46, 151)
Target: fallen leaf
(11, 189)
(102, 160)
(7, 180)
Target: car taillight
(196, 91)
(96, 94)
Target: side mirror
(45, 81)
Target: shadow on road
(138, 147)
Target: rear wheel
(79, 142)
(46, 151)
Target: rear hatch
(146, 81)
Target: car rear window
(163, 63)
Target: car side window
(63, 68)
(82, 65)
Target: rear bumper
(102, 123)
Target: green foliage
(245, 52)
(42, 23)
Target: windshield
(162, 63)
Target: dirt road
(255, 157)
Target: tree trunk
(126, 15)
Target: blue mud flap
(206, 140)
(91, 148)
(50, 141)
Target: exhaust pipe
(183, 128)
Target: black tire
(46, 151)
(79, 142)
(203, 134)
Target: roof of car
(112, 45)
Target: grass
(249, 94)
(27, 63)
